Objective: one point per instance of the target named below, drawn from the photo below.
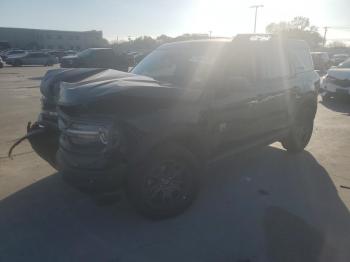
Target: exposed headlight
(90, 134)
(47, 110)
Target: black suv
(153, 130)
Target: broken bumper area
(91, 173)
(43, 138)
(45, 142)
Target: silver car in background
(31, 58)
(337, 81)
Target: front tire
(300, 132)
(165, 183)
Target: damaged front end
(43, 138)
(91, 129)
(91, 152)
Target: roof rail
(253, 37)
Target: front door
(235, 103)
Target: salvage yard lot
(263, 205)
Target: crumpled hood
(112, 83)
(339, 73)
(49, 84)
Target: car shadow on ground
(341, 105)
(265, 205)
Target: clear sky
(171, 17)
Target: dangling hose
(29, 134)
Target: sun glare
(227, 18)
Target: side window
(241, 63)
(300, 57)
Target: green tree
(299, 27)
(164, 39)
(336, 44)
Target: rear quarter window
(299, 57)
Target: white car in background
(337, 81)
(31, 58)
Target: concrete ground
(264, 205)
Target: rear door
(275, 82)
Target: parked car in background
(338, 58)
(70, 52)
(337, 81)
(1, 63)
(153, 130)
(61, 53)
(12, 52)
(321, 62)
(96, 58)
(31, 58)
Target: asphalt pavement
(262, 205)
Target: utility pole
(210, 34)
(324, 36)
(256, 14)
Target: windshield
(179, 67)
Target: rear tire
(300, 133)
(165, 183)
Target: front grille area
(85, 135)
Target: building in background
(51, 39)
